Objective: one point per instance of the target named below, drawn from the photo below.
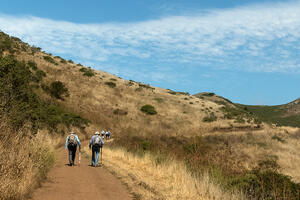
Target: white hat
(72, 132)
(96, 133)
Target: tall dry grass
(169, 180)
(24, 161)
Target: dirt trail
(80, 182)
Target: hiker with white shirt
(96, 144)
(71, 144)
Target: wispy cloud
(256, 38)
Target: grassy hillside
(280, 115)
(225, 141)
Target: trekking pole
(101, 157)
(79, 157)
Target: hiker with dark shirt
(107, 134)
(72, 142)
(96, 144)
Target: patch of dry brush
(24, 161)
(171, 180)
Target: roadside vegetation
(26, 123)
(229, 162)
(150, 176)
(25, 160)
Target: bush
(110, 84)
(172, 92)
(159, 100)
(130, 83)
(32, 65)
(50, 60)
(266, 185)
(39, 75)
(6, 43)
(145, 145)
(148, 109)
(178, 93)
(87, 72)
(57, 89)
(20, 104)
(147, 86)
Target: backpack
(72, 140)
(97, 141)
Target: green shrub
(266, 185)
(87, 72)
(178, 93)
(159, 100)
(148, 109)
(6, 43)
(113, 79)
(50, 60)
(35, 49)
(147, 86)
(172, 92)
(39, 75)
(110, 84)
(209, 94)
(145, 145)
(20, 104)
(57, 89)
(32, 65)
(130, 83)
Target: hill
(206, 134)
(280, 115)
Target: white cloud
(256, 38)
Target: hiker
(102, 133)
(107, 134)
(96, 144)
(71, 144)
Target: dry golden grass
(24, 161)
(91, 98)
(253, 147)
(169, 180)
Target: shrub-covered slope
(214, 136)
(280, 115)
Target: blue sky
(246, 51)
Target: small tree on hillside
(57, 89)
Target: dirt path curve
(80, 182)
